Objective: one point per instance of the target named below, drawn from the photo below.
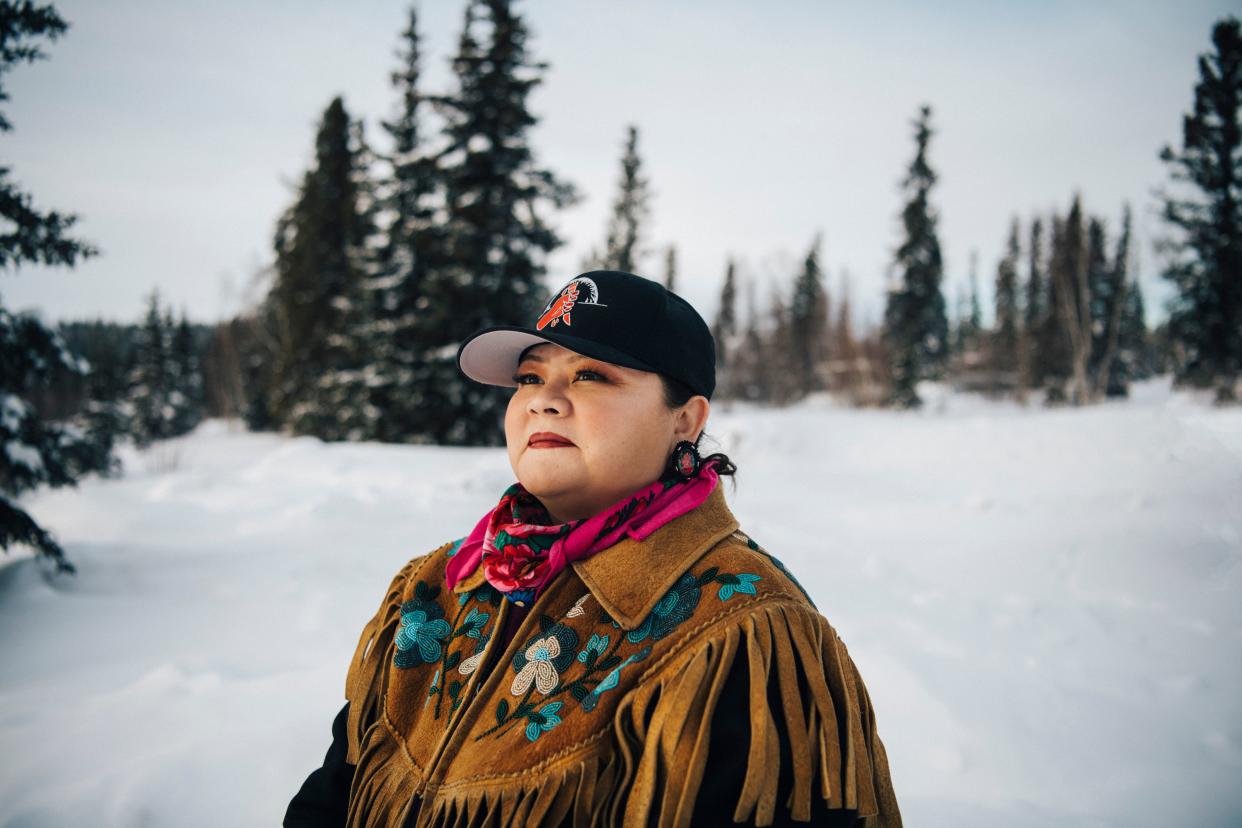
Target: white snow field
(1045, 605)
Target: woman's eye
(532, 379)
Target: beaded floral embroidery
(422, 630)
(551, 663)
(425, 636)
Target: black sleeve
(726, 764)
(324, 797)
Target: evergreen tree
(975, 318)
(1206, 250)
(915, 325)
(107, 347)
(1108, 300)
(1100, 292)
(256, 338)
(749, 373)
(321, 256)
(35, 451)
(1087, 293)
(1054, 343)
(968, 325)
(1134, 349)
(187, 377)
(784, 382)
(724, 329)
(623, 248)
(165, 393)
(30, 235)
(151, 381)
(496, 236)
(958, 323)
(845, 348)
(1005, 331)
(1070, 275)
(670, 268)
(395, 297)
(1035, 310)
(808, 315)
(343, 409)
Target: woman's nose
(549, 399)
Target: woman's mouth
(548, 439)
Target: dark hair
(677, 394)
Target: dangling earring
(685, 460)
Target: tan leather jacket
(598, 711)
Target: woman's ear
(691, 419)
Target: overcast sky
(176, 129)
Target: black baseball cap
(610, 315)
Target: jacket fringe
(366, 680)
(663, 727)
(383, 784)
(580, 793)
(788, 652)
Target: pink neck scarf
(521, 550)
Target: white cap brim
(491, 357)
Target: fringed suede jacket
(685, 680)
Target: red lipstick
(548, 439)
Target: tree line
(388, 256)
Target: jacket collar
(630, 577)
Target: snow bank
(1044, 604)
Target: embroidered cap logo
(559, 308)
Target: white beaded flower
(539, 667)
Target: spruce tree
(1054, 344)
(152, 379)
(343, 409)
(1134, 348)
(1100, 292)
(670, 268)
(845, 349)
(321, 257)
(724, 328)
(957, 324)
(1071, 305)
(411, 250)
(1035, 309)
(965, 332)
(36, 451)
(1005, 332)
(808, 315)
(623, 247)
(1205, 217)
(784, 381)
(187, 377)
(915, 325)
(749, 375)
(1108, 301)
(30, 235)
(975, 318)
(255, 337)
(496, 234)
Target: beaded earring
(685, 460)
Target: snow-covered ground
(1045, 605)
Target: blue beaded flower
(420, 636)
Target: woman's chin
(549, 483)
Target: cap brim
(490, 356)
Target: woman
(606, 647)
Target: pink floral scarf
(521, 550)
